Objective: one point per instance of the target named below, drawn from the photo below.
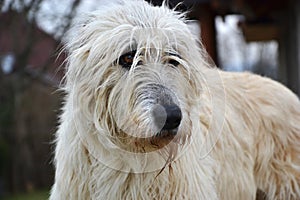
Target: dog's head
(135, 72)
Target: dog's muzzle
(167, 118)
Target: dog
(147, 116)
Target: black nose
(168, 119)
(173, 117)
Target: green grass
(36, 195)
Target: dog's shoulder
(252, 93)
(256, 86)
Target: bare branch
(69, 18)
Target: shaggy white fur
(128, 65)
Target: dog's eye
(172, 61)
(126, 59)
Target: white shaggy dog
(146, 117)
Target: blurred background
(262, 36)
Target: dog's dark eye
(173, 62)
(126, 59)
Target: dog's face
(135, 70)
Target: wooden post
(289, 49)
(206, 17)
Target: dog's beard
(134, 105)
(142, 127)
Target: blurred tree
(22, 66)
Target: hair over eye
(172, 60)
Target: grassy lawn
(36, 195)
